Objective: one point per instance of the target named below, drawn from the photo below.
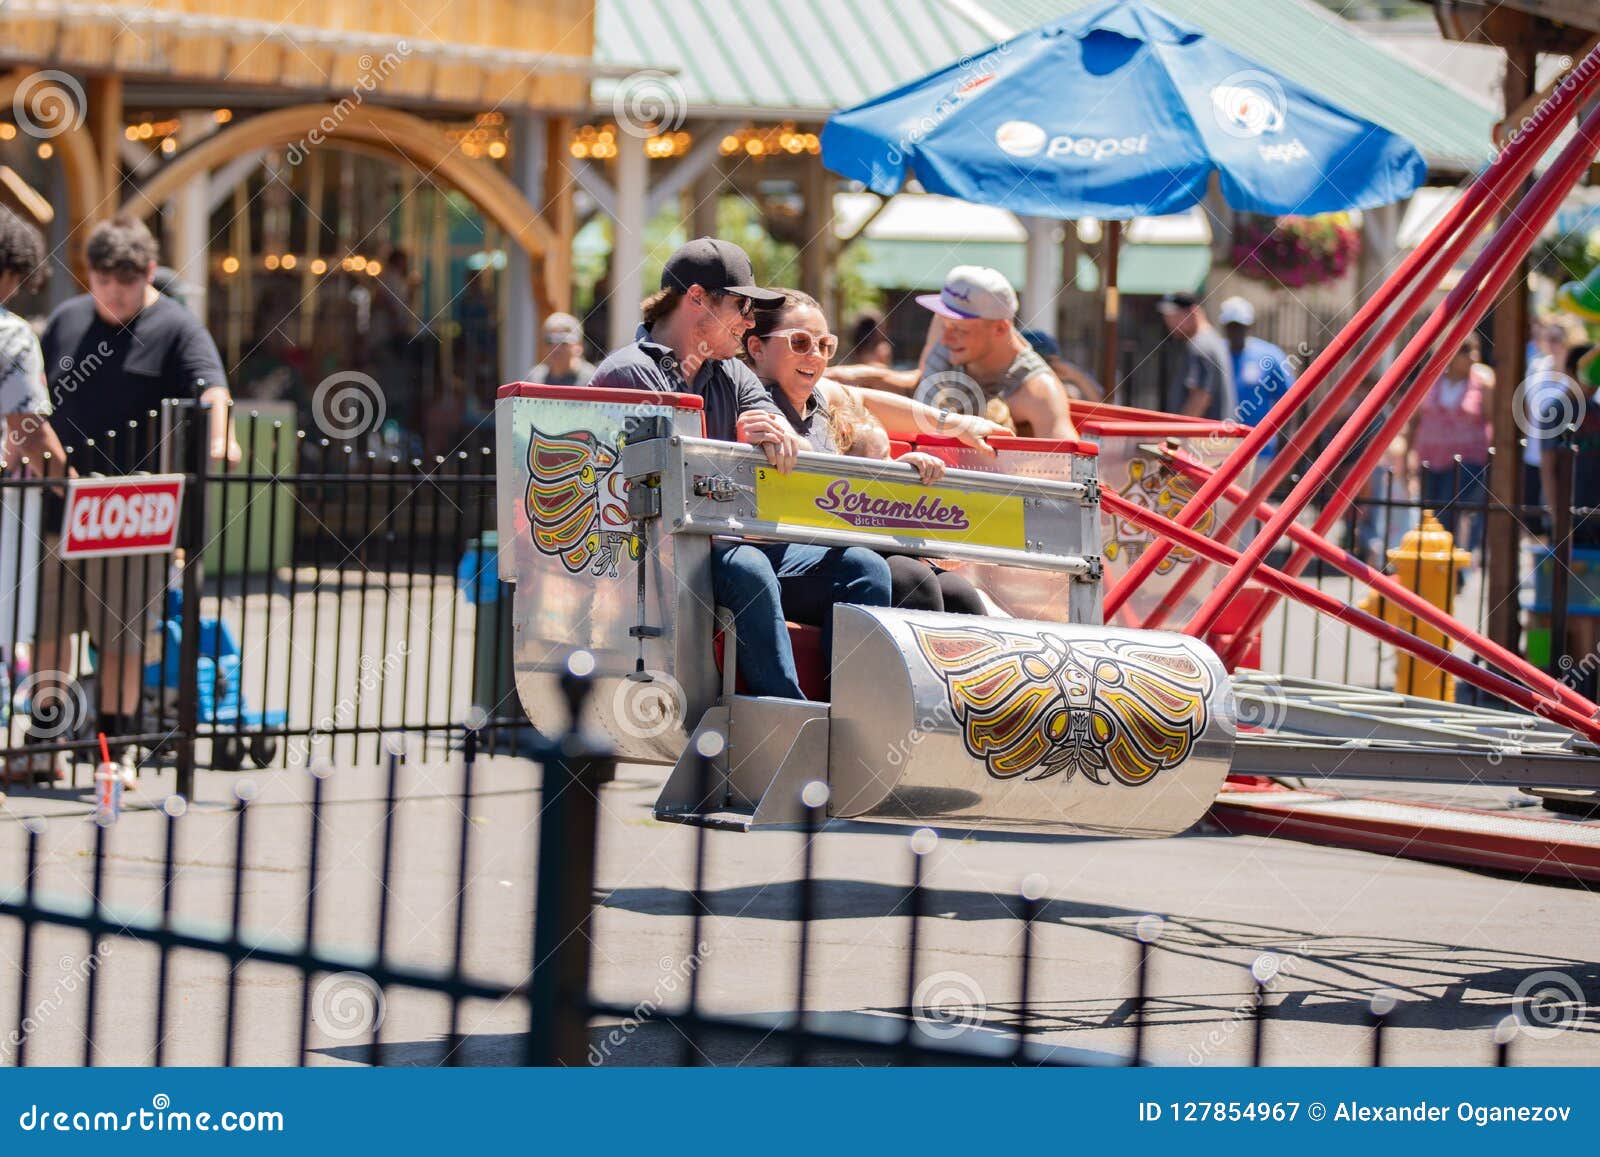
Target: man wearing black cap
(689, 343)
(1205, 388)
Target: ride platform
(1312, 731)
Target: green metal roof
(908, 264)
(797, 58)
(772, 58)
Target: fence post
(569, 810)
(193, 424)
(1561, 503)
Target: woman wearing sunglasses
(789, 348)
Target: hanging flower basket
(1295, 251)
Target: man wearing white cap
(564, 363)
(1261, 371)
(978, 356)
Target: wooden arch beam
(74, 144)
(393, 133)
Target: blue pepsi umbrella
(1115, 112)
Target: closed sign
(116, 516)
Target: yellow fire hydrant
(1426, 562)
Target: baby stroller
(222, 707)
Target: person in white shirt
(24, 401)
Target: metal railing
(361, 554)
(314, 607)
(332, 592)
(1299, 642)
(553, 991)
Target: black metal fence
(1557, 601)
(143, 957)
(326, 592)
(359, 592)
(331, 591)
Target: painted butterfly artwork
(1156, 487)
(577, 501)
(1036, 705)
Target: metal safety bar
(700, 486)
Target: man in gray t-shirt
(1205, 387)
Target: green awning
(906, 264)
(1152, 269)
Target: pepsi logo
(1251, 107)
(1020, 139)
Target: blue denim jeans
(765, 583)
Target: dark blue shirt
(728, 386)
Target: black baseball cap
(716, 265)
(1173, 302)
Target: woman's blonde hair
(852, 422)
(999, 413)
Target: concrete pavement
(1455, 947)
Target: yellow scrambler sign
(889, 508)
